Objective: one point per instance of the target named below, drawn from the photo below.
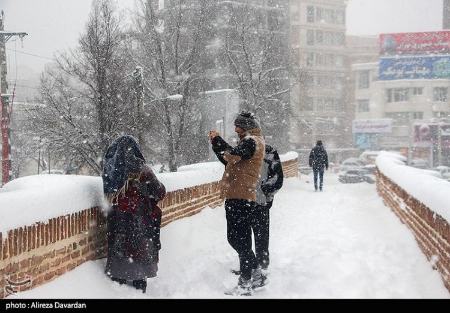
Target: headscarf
(122, 158)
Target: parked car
(369, 157)
(444, 171)
(53, 172)
(305, 170)
(355, 176)
(351, 164)
(419, 163)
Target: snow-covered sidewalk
(342, 243)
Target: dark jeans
(260, 226)
(318, 173)
(239, 233)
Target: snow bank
(421, 184)
(192, 175)
(32, 199)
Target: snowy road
(343, 243)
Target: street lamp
(175, 97)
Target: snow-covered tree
(257, 52)
(86, 98)
(170, 47)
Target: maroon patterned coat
(134, 229)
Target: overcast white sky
(54, 25)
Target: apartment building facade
(390, 113)
(320, 103)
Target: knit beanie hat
(246, 121)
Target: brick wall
(431, 231)
(33, 255)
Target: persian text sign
(415, 43)
(437, 67)
(373, 126)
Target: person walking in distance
(243, 165)
(318, 160)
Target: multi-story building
(446, 15)
(319, 104)
(388, 111)
(360, 49)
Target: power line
(25, 86)
(31, 54)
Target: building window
(364, 80)
(319, 14)
(441, 114)
(339, 61)
(319, 36)
(340, 17)
(417, 115)
(440, 94)
(397, 95)
(310, 37)
(308, 104)
(310, 59)
(418, 91)
(363, 106)
(310, 14)
(295, 36)
(294, 13)
(399, 118)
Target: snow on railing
(423, 185)
(421, 201)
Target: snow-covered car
(351, 164)
(355, 176)
(53, 172)
(305, 170)
(444, 171)
(419, 163)
(369, 157)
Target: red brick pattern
(34, 255)
(432, 231)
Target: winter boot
(118, 280)
(140, 285)
(258, 278)
(265, 270)
(243, 288)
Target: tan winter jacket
(241, 177)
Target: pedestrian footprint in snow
(243, 165)
(134, 221)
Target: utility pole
(138, 76)
(4, 101)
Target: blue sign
(437, 67)
(366, 141)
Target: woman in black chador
(134, 220)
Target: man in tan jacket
(243, 165)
